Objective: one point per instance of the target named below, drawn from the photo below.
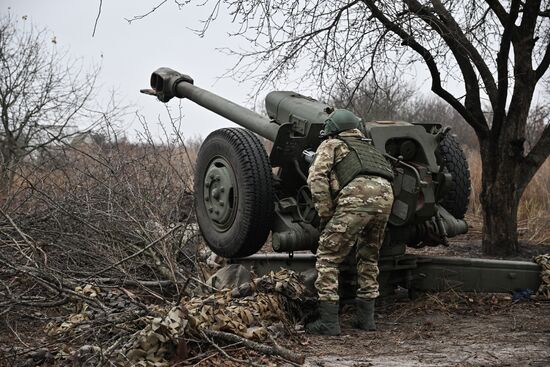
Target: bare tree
(430, 109)
(395, 99)
(386, 99)
(485, 58)
(42, 94)
(538, 120)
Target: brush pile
(134, 333)
(102, 263)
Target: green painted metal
(220, 190)
(474, 275)
(168, 83)
(417, 273)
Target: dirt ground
(445, 329)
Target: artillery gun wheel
(233, 192)
(456, 200)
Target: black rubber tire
(457, 198)
(255, 204)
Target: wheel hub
(219, 193)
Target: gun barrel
(168, 83)
(248, 119)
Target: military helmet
(341, 120)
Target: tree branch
(97, 17)
(137, 252)
(456, 39)
(472, 100)
(262, 348)
(139, 17)
(499, 11)
(537, 155)
(481, 128)
(499, 108)
(544, 64)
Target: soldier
(350, 185)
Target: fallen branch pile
(162, 335)
(102, 263)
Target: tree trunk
(500, 220)
(4, 186)
(6, 175)
(501, 190)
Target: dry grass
(534, 208)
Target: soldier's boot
(364, 318)
(327, 323)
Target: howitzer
(239, 200)
(242, 194)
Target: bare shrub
(101, 260)
(99, 211)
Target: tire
(457, 198)
(233, 192)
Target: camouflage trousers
(362, 211)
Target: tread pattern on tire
(254, 221)
(457, 199)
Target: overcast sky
(129, 53)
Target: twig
(16, 335)
(262, 348)
(136, 253)
(279, 347)
(224, 353)
(59, 289)
(22, 234)
(138, 17)
(204, 359)
(97, 18)
(6, 310)
(121, 282)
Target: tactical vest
(363, 159)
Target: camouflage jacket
(322, 180)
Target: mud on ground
(446, 329)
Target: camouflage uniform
(357, 213)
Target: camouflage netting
(544, 288)
(158, 336)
